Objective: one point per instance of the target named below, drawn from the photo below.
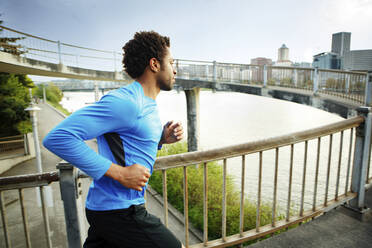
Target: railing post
(295, 77)
(215, 71)
(71, 196)
(265, 76)
(315, 80)
(347, 84)
(59, 52)
(368, 91)
(361, 157)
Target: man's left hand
(172, 132)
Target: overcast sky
(225, 31)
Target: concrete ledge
(9, 163)
(364, 215)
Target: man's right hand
(133, 177)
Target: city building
(341, 57)
(341, 43)
(283, 56)
(357, 60)
(257, 72)
(327, 60)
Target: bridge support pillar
(361, 159)
(193, 119)
(214, 71)
(72, 203)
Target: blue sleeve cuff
(160, 146)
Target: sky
(225, 31)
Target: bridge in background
(332, 90)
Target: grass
(195, 197)
(59, 107)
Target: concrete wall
(9, 163)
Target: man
(128, 131)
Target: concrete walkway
(334, 229)
(48, 118)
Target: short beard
(165, 87)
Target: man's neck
(149, 87)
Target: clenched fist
(134, 176)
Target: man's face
(166, 75)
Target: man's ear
(154, 65)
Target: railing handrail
(28, 180)
(190, 158)
(11, 137)
(197, 157)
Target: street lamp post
(33, 114)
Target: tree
(8, 44)
(53, 93)
(14, 98)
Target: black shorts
(132, 227)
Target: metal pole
(368, 91)
(295, 77)
(96, 92)
(33, 115)
(44, 93)
(72, 203)
(215, 71)
(265, 76)
(315, 81)
(59, 52)
(362, 145)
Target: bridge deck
(334, 229)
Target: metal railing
(344, 84)
(20, 183)
(38, 48)
(14, 146)
(327, 201)
(337, 174)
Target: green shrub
(24, 127)
(195, 190)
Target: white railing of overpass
(345, 84)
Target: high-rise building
(341, 43)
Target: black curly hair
(143, 47)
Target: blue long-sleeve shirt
(130, 114)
